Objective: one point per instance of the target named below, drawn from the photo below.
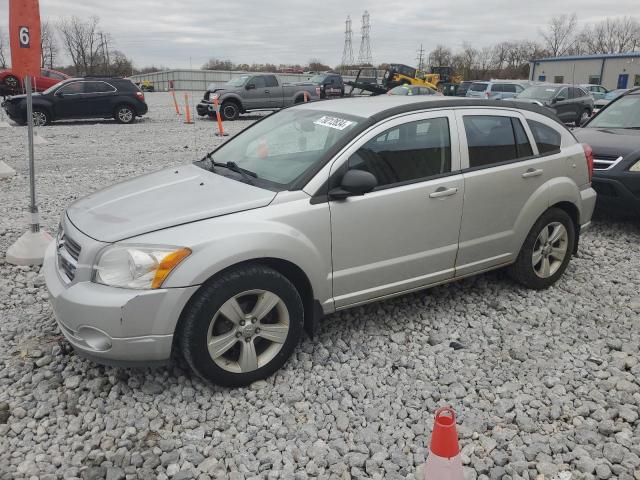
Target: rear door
(273, 92)
(502, 176)
(404, 234)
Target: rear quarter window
(478, 87)
(548, 139)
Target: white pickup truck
(254, 92)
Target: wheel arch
(233, 99)
(572, 210)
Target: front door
(404, 234)
(501, 175)
(623, 80)
(69, 100)
(563, 106)
(258, 96)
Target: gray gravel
(545, 383)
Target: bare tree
(3, 49)
(81, 40)
(560, 34)
(215, 64)
(48, 44)
(611, 35)
(440, 56)
(316, 65)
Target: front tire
(41, 117)
(546, 251)
(241, 326)
(230, 110)
(12, 82)
(124, 114)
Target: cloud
(189, 32)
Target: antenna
(347, 52)
(420, 58)
(364, 57)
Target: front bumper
(114, 325)
(618, 190)
(204, 108)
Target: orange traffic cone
(444, 462)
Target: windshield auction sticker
(333, 122)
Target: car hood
(162, 199)
(609, 141)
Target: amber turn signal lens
(167, 264)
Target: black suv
(331, 84)
(77, 98)
(570, 103)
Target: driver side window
(563, 94)
(73, 88)
(258, 82)
(406, 153)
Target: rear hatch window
(478, 87)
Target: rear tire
(268, 324)
(230, 110)
(546, 251)
(124, 114)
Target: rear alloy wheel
(546, 251)
(586, 114)
(241, 326)
(40, 118)
(125, 114)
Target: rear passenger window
(509, 88)
(497, 88)
(493, 139)
(413, 151)
(548, 139)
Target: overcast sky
(177, 34)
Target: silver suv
(311, 210)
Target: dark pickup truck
(254, 92)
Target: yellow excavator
(440, 78)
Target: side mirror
(558, 99)
(250, 86)
(354, 182)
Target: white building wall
(579, 71)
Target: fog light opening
(96, 339)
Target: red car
(11, 84)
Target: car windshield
(538, 93)
(318, 78)
(238, 82)
(613, 94)
(624, 113)
(400, 90)
(284, 146)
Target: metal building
(617, 70)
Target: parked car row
(570, 103)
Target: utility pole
(420, 58)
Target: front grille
(605, 162)
(68, 255)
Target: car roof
(384, 106)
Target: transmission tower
(364, 57)
(347, 52)
(420, 58)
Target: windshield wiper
(233, 166)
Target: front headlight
(137, 266)
(635, 167)
(213, 96)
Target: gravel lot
(545, 382)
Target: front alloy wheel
(248, 331)
(241, 326)
(40, 118)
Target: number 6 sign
(24, 37)
(24, 34)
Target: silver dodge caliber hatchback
(311, 210)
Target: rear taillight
(487, 94)
(140, 96)
(318, 91)
(588, 152)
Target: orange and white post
(187, 110)
(306, 96)
(175, 101)
(220, 132)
